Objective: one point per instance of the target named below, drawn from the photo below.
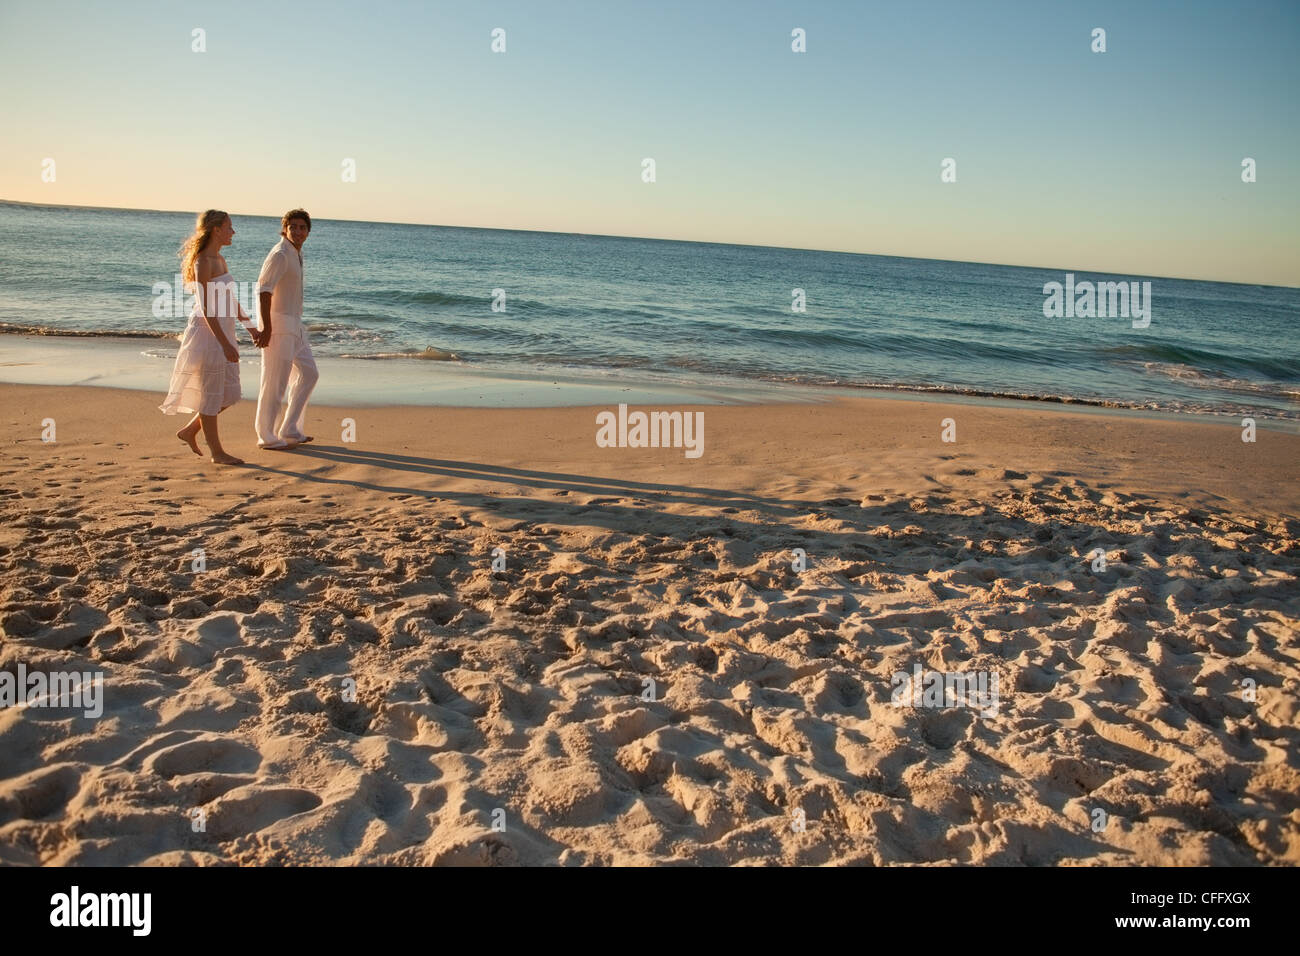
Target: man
(286, 356)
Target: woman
(205, 379)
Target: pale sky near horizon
(1127, 162)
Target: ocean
(687, 312)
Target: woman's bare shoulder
(208, 265)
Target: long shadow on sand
(587, 484)
(905, 538)
(626, 504)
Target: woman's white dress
(203, 380)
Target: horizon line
(705, 242)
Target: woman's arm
(246, 321)
(239, 308)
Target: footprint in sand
(253, 808)
(39, 793)
(210, 754)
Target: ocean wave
(350, 316)
(328, 327)
(1199, 378)
(1161, 355)
(9, 328)
(1178, 406)
(345, 334)
(407, 297)
(428, 354)
(361, 302)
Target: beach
(476, 636)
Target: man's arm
(264, 306)
(272, 270)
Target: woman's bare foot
(187, 435)
(225, 459)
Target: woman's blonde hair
(204, 226)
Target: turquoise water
(675, 311)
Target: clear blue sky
(1126, 162)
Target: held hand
(232, 353)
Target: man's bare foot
(286, 446)
(188, 437)
(224, 459)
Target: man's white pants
(286, 361)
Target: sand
(508, 716)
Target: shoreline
(1169, 455)
(116, 361)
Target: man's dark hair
(294, 214)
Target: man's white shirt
(281, 276)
